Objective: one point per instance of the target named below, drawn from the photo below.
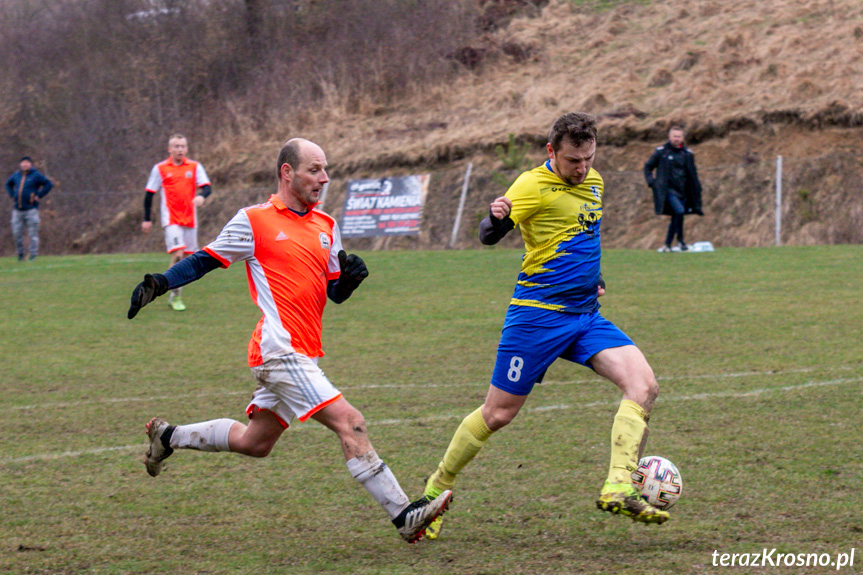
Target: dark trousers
(675, 226)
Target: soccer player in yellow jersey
(554, 313)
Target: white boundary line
(248, 392)
(539, 409)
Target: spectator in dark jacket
(27, 187)
(675, 185)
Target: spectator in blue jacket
(27, 187)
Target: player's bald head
(293, 151)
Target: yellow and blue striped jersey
(560, 227)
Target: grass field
(757, 351)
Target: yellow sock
(469, 438)
(627, 433)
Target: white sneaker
(416, 517)
(158, 451)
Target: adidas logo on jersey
(281, 237)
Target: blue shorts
(533, 338)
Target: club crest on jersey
(188, 175)
(325, 240)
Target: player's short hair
(676, 128)
(178, 137)
(576, 127)
(289, 154)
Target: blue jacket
(26, 197)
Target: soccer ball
(658, 480)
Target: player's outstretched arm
(353, 272)
(183, 272)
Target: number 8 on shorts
(515, 365)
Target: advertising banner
(384, 207)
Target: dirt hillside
(748, 81)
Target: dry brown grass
(707, 65)
(748, 81)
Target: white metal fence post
(778, 200)
(457, 222)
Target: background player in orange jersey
(295, 261)
(185, 186)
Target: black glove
(152, 287)
(353, 269)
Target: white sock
(379, 481)
(204, 436)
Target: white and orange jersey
(289, 260)
(178, 185)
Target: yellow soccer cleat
(624, 499)
(177, 304)
(430, 493)
(433, 530)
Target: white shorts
(291, 386)
(181, 238)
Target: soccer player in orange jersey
(294, 262)
(185, 186)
